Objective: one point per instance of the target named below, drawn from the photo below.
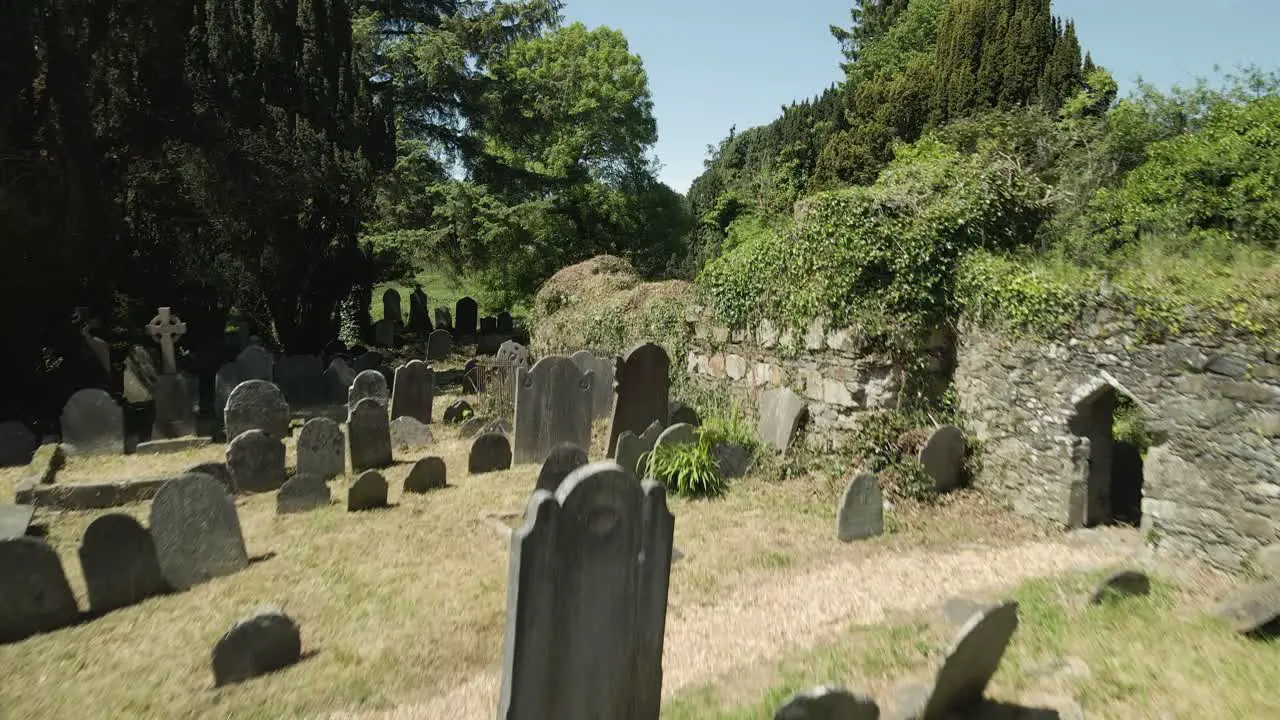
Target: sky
(714, 64)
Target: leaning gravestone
(256, 405)
(118, 557)
(196, 531)
(588, 583)
(322, 449)
(781, 414)
(17, 444)
(972, 661)
(631, 447)
(490, 452)
(861, 512)
(368, 492)
(369, 434)
(35, 596)
(429, 473)
(439, 345)
(413, 392)
(256, 462)
(256, 363)
(264, 642)
(368, 384)
(302, 493)
(553, 405)
(337, 380)
(563, 459)
(641, 381)
(409, 433)
(943, 457)
(828, 703)
(602, 388)
(465, 312)
(92, 423)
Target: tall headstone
(256, 405)
(413, 391)
(93, 423)
(861, 511)
(553, 406)
(17, 444)
(972, 661)
(369, 384)
(369, 433)
(256, 363)
(165, 328)
(587, 585)
(602, 388)
(641, 382)
(439, 345)
(196, 531)
(419, 313)
(35, 596)
(118, 558)
(322, 449)
(391, 306)
(781, 414)
(465, 313)
(256, 462)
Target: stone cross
(165, 329)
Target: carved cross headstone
(165, 329)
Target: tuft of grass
(687, 470)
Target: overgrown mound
(603, 304)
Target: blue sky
(713, 64)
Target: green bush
(687, 470)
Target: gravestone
(371, 360)
(140, 375)
(256, 462)
(504, 323)
(443, 320)
(119, 561)
(224, 381)
(302, 493)
(409, 433)
(679, 434)
(641, 382)
(465, 312)
(93, 423)
(861, 511)
(439, 345)
(337, 380)
(632, 446)
(413, 391)
(828, 703)
(35, 596)
(1253, 611)
(429, 473)
(369, 384)
(943, 457)
(17, 444)
(369, 434)
(391, 306)
(488, 325)
(781, 414)
(165, 328)
(589, 571)
(216, 470)
(255, 363)
(14, 520)
(682, 413)
(457, 412)
(196, 531)
(256, 645)
(733, 459)
(419, 314)
(512, 353)
(602, 388)
(972, 661)
(553, 405)
(1122, 583)
(490, 452)
(368, 492)
(563, 459)
(301, 379)
(256, 405)
(322, 449)
(175, 407)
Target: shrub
(687, 470)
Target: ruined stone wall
(1211, 487)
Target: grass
(1155, 657)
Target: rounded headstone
(196, 531)
(369, 435)
(861, 511)
(413, 391)
(406, 432)
(828, 703)
(256, 405)
(264, 642)
(35, 596)
(429, 473)
(1122, 583)
(256, 461)
(302, 493)
(972, 661)
(118, 557)
(943, 457)
(322, 449)
(563, 459)
(368, 492)
(490, 452)
(458, 411)
(368, 384)
(17, 444)
(1254, 611)
(92, 423)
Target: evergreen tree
(869, 20)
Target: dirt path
(801, 610)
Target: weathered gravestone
(828, 703)
(391, 306)
(553, 405)
(409, 433)
(369, 434)
(943, 457)
(490, 452)
(1119, 584)
(972, 661)
(119, 561)
(419, 314)
(322, 449)
(444, 321)
(1252, 612)
(465, 312)
(368, 492)
(861, 511)
(512, 353)
(439, 345)
(413, 391)
(641, 381)
(256, 462)
(587, 586)
(781, 414)
(337, 380)
(457, 412)
(35, 596)
(256, 405)
(301, 379)
(369, 384)
(302, 493)
(429, 473)
(92, 423)
(17, 444)
(14, 520)
(255, 363)
(602, 387)
(504, 323)
(631, 447)
(264, 642)
(563, 459)
(196, 531)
